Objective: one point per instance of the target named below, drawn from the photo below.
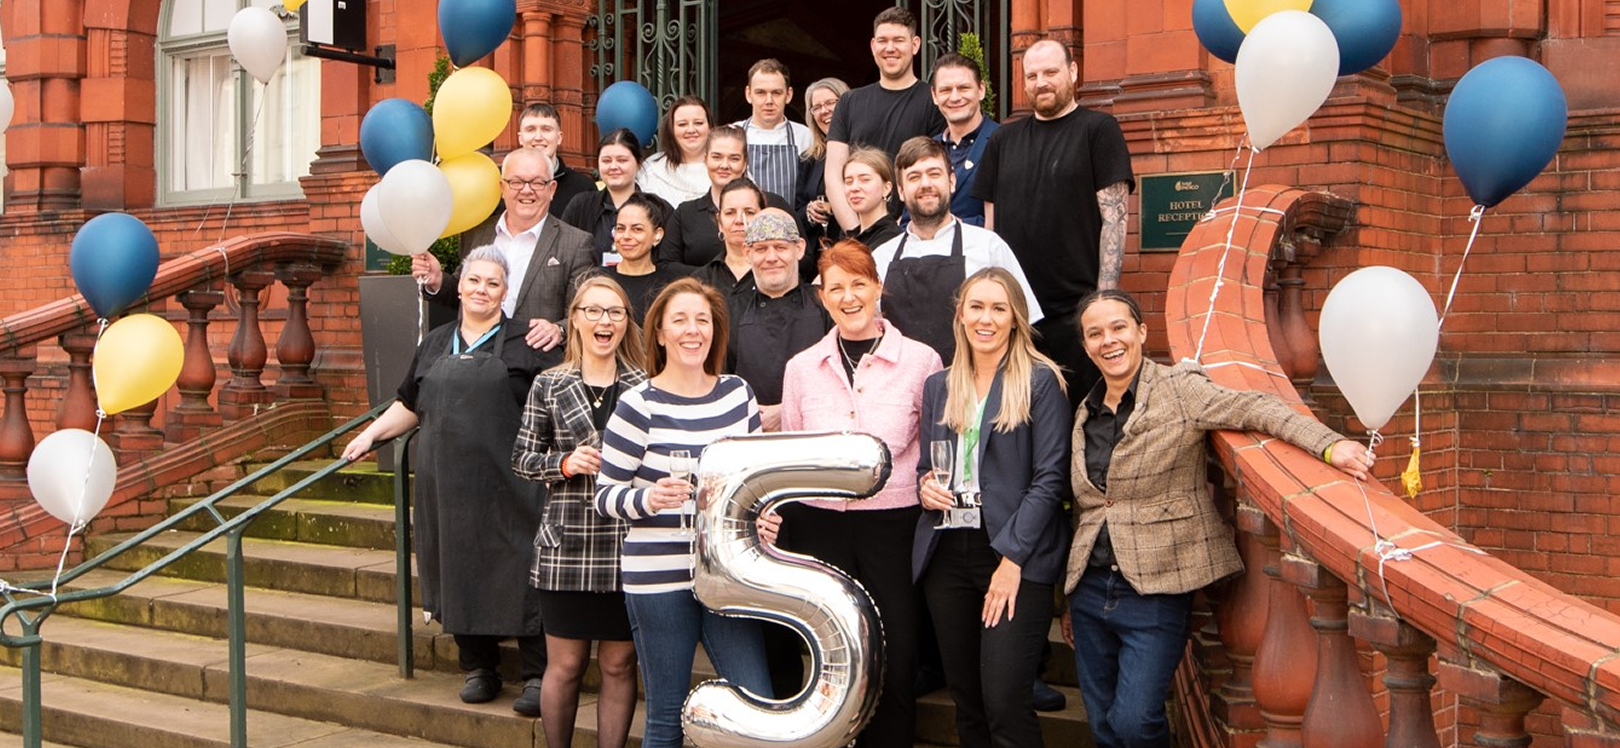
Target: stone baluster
(295, 349)
(1304, 351)
(1501, 701)
(78, 408)
(1407, 651)
(133, 435)
(1243, 622)
(1285, 664)
(245, 393)
(193, 413)
(16, 435)
(1341, 712)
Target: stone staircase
(147, 668)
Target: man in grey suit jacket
(547, 257)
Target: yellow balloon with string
(475, 190)
(472, 107)
(136, 360)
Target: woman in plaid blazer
(1147, 535)
(576, 551)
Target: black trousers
(874, 548)
(1059, 338)
(990, 671)
(484, 651)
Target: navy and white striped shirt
(646, 426)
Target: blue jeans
(667, 627)
(1126, 649)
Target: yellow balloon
(472, 107)
(292, 5)
(475, 190)
(135, 362)
(1247, 13)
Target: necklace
(597, 393)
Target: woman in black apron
(474, 520)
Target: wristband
(1327, 454)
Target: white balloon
(414, 202)
(1285, 69)
(72, 473)
(1379, 332)
(258, 40)
(8, 106)
(371, 220)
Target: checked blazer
(1167, 534)
(557, 413)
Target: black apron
(775, 168)
(474, 519)
(918, 294)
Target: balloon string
(79, 522)
(1475, 217)
(421, 310)
(1220, 270)
(247, 153)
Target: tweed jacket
(562, 256)
(1167, 534)
(557, 412)
(1021, 477)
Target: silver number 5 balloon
(737, 479)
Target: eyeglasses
(517, 185)
(594, 313)
(824, 106)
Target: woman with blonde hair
(993, 474)
(868, 186)
(820, 100)
(576, 551)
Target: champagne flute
(680, 468)
(942, 458)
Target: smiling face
(893, 48)
(481, 289)
(540, 132)
(957, 94)
(776, 264)
(617, 166)
(1048, 79)
(685, 331)
(863, 187)
(822, 104)
(1113, 340)
(527, 202)
(852, 300)
(769, 94)
(986, 316)
(926, 188)
(600, 337)
(737, 208)
(691, 128)
(727, 159)
(634, 234)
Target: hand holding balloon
(1353, 458)
(427, 270)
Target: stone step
(86, 713)
(290, 566)
(360, 482)
(345, 523)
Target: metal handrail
(232, 529)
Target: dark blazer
(1023, 477)
(562, 256)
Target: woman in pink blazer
(864, 376)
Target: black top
(716, 273)
(766, 332)
(875, 235)
(643, 288)
(876, 116)
(692, 234)
(522, 362)
(1043, 177)
(851, 352)
(1103, 429)
(594, 213)
(570, 184)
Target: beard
(929, 214)
(1062, 97)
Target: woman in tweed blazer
(576, 552)
(1147, 535)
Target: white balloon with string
(371, 219)
(258, 41)
(1379, 333)
(1285, 69)
(71, 474)
(414, 201)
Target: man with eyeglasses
(884, 114)
(547, 257)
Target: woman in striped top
(686, 405)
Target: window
(222, 135)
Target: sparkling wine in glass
(680, 468)
(942, 458)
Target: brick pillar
(45, 61)
(119, 107)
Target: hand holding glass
(680, 468)
(942, 458)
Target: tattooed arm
(1111, 200)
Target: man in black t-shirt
(884, 114)
(1055, 187)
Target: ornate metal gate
(667, 45)
(942, 24)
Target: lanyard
(455, 340)
(970, 444)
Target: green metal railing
(32, 611)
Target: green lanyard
(970, 445)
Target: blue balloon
(474, 28)
(1216, 30)
(114, 259)
(1365, 29)
(629, 105)
(1503, 125)
(395, 130)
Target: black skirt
(596, 616)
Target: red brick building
(134, 105)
